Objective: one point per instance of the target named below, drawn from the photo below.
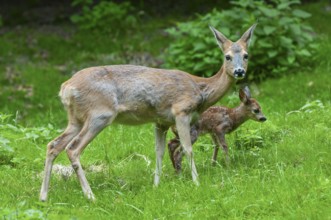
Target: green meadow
(280, 169)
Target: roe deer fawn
(98, 96)
(218, 121)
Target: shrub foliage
(105, 16)
(281, 41)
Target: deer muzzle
(262, 119)
(239, 73)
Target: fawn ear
(245, 95)
(246, 37)
(220, 38)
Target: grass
(287, 176)
(279, 169)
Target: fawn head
(235, 53)
(251, 106)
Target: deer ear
(246, 37)
(247, 92)
(220, 38)
(245, 95)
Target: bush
(283, 41)
(105, 16)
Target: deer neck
(239, 116)
(215, 87)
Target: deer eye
(228, 57)
(246, 56)
(256, 111)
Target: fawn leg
(216, 148)
(220, 140)
(175, 153)
(183, 128)
(92, 126)
(160, 140)
(54, 148)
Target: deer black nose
(263, 119)
(239, 73)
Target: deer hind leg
(54, 148)
(220, 140)
(175, 153)
(216, 148)
(95, 123)
(183, 128)
(160, 140)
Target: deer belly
(143, 116)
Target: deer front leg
(183, 128)
(175, 149)
(160, 140)
(216, 148)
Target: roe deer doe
(98, 96)
(218, 121)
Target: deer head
(251, 106)
(235, 53)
